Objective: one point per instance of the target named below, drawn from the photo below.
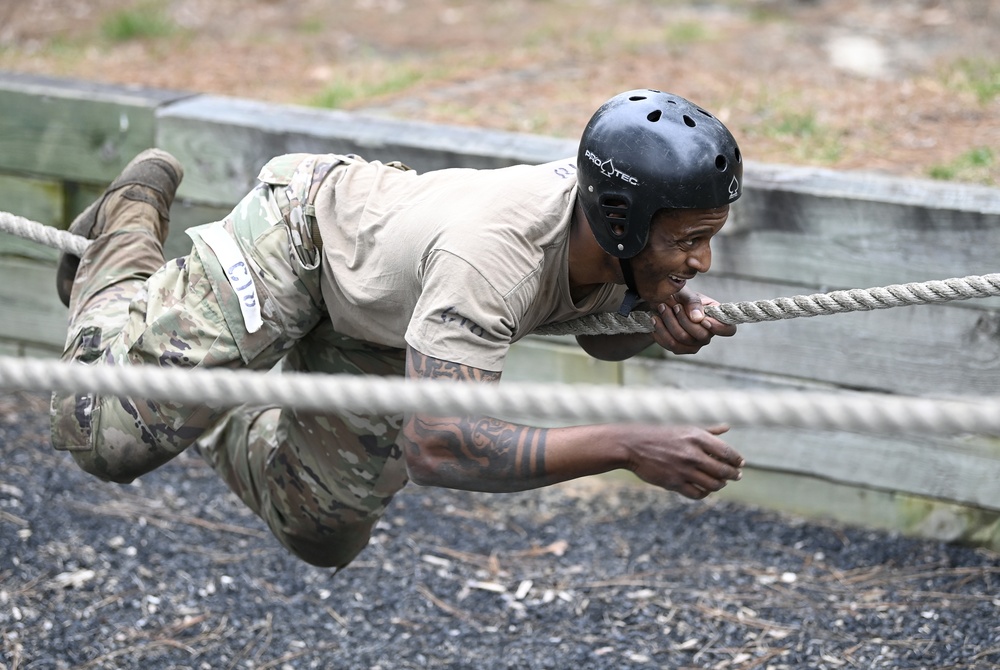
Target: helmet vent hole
(702, 111)
(689, 122)
(654, 116)
(721, 163)
(739, 156)
(615, 211)
(637, 98)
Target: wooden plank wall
(796, 231)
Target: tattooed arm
(487, 454)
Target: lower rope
(866, 412)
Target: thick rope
(607, 323)
(817, 304)
(865, 412)
(47, 235)
(858, 300)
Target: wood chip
(73, 580)
(436, 560)
(486, 586)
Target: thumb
(718, 429)
(691, 303)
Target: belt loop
(317, 239)
(298, 208)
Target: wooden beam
(72, 129)
(961, 468)
(836, 230)
(890, 510)
(32, 313)
(41, 200)
(223, 142)
(948, 348)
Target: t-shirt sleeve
(460, 316)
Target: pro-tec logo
(609, 170)
(734, 189)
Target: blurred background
(905, 87)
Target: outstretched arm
(487, 454)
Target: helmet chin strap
(632, 294)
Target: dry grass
(927, 107)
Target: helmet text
(609, 170)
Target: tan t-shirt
(457, 263)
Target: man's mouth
(678, 281)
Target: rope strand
(47, 235)
(865, 412)
(817, 304)
(858, 300)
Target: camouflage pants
(320, 481)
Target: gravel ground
(173, 573)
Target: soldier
(333, 264)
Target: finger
(719, 328)
(707, 483)
(716, 326)
(722, 452)
(691, 303)
(681, 316)
(689, 490)
(711, 469)
(682, 328)
(717, 471)
(663, 337)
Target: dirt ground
(909, 87)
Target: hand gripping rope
(867, 412)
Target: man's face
(678, 249)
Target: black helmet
(646, 150)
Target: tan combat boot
(152, 177)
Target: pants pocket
(72, 421)
(72, 416)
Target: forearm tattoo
(479, 452)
